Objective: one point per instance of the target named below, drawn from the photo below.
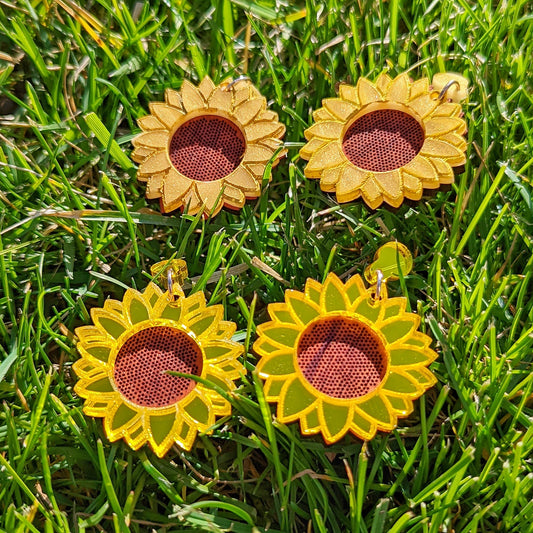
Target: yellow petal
(311, 147)
(262, 129)
(329, 156)
(191, 97)
(175, 187)
(362, 427)
(233, 196)
(372, 193)
(152, 139)
(440, 148)
(301, 308)
(333, 297)
(248, 110)
(421, 168)
(444, 170)
(323, 115)
(109, 323)
(281, 364)
(161, 431)
(166, 114)
(209, 193)
(149, 123)
(349, 93)
(173, 98)
(192, 203)
(329, 179)
(383, 83)
(355, 288)
(206, 87)
(399, 328)
(257, 154)
(419, 88)
(350, 183)
(399, 89)
(402, 406)
(336, 420)
(244, 180)
(378, 409)
(154, 164)
(391, 185)
(140, 154)
(423, 105)
(154, 188)
(313, 290)
(340, 108)
(437, 126)
(220, 100)
(448, 109)
(366, 92)
(325, 130)
(413, 186)
(273, 387)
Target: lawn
(77, 229)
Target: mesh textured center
(383, 140)
(144, 358)
(207, 148)
(341, 357)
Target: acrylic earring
(341, 357)
(207, 147)
(388, 140)
(133, 356)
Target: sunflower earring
(133, 358)
(388, 140)
(343, 357)
(207, 147)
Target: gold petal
(173, 98)
(413, 186)
(262, 129)
(447, 109)
(333, 296)
(440, 148)
(323, 115)
(152, 139)
(419, 88)
(421, 168)
(325, 130)
(391, 185)
(155, 186)
(437, 126)
(244, 180)
(166, 114)
(154, 164)
(141, 153)
(257, 170)
(241, 93)
(175, 187)
(209, 192)
(311, 147)
(399, 89)
(350, 183)
(349, 93)
(340, 108)
(330, 178)
(192, 203)
(269, 116)
(367, 92)
(191, 97)
(257, 154)
(423, 105)
(383, 83)
(149, 122)
(248, 110)
(221, 100)
(206, 87)
(233, 196)
(444, 170)
(372, 193)
(329, 156)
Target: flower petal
(367, 307)
(383, 83)
(399, 89)
(397, 328)
(444, 170)
(391, 185)
(191, 97)
(354, 288)
(175, 187)
(325, 130)
(173, 98)
(258, 130)
(282, 335)
(120, 416)
(419, 88)
(273, 387)
(336, 420)
(154, 164)
(440, 148)
(350, 183)
(311, 147)
(404, 355)
(313, 290)
(333, 296)
(256, 153)
(161, 431)
(340, 108)
(165, 113)
(300, 307)
(421, 168)
(154, 188)
(204, 323)
(323, 115)
(437, 126)
(279, 312)
(329, 156)
(401, 405)
(277, 365)
(152, 139)
(210, 195)
(233, 197)
(423, 376)
(362, 426)
(216, 350)
(245, 181)
(310, 423)
(294, 401)
(196, 405)
(108, 323)
(372, 193)
(423, 105)
(330, 178)
(367, 93)
(206, 87)
(220, 100)
(402, 384)
(248, 111)
(378, 409)
(135, 306)
(413, 187)
(349, 93)
(97, 350)
(148, 123)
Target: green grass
(76, 229)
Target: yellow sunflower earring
(133, 356)
(388, 140)
(207, 147)
(343, 357)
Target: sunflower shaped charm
(207, 147)
(126, 358)
(385, 141)
(338, 360)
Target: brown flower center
(207, 148)
(143, 360)
(383, 140)
(341, 357)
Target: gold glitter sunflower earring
(388, 140)
(133, 356)
(207, 147)
(343, 357)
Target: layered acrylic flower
(207, 147)
(384, 141)
(129, 358)
(339, 361)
